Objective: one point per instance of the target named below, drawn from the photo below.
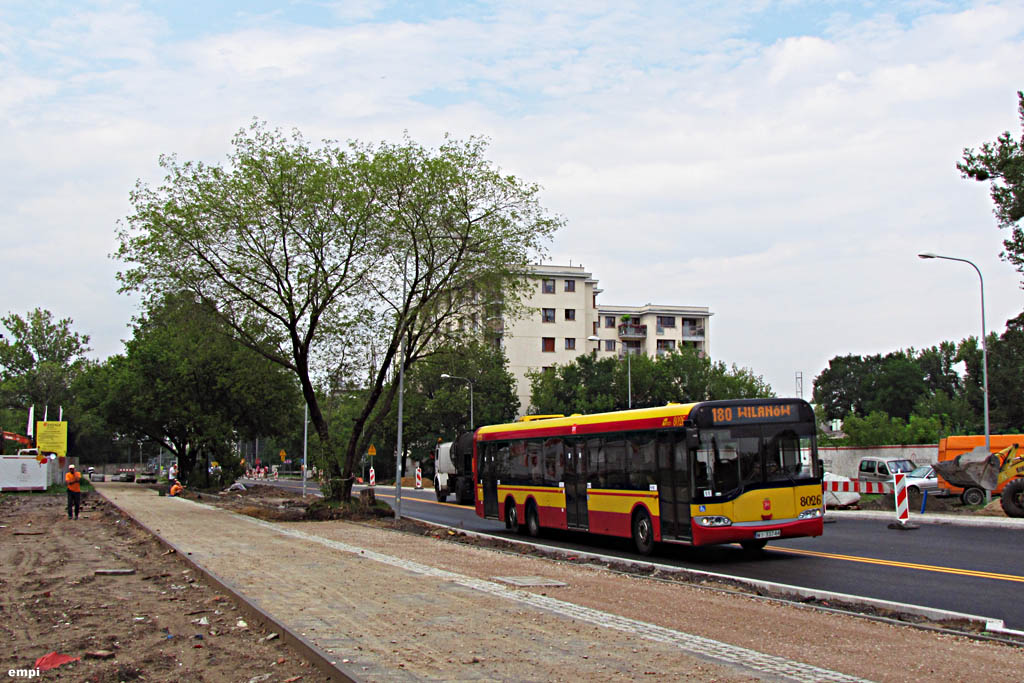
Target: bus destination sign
(743, 414)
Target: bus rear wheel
(643, 532)
(532, 521)
(511, 517)
(442, 494)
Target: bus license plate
(771, 533)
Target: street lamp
(470, 382)
(984, 345)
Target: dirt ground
(160, 623)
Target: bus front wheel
(643, 532)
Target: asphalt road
(975, 570)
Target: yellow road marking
(903, 565)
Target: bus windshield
(731, 460)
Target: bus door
(674, 486)
(488, 469)
(575, 477)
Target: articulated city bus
(701, 473)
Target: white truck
(453, 467)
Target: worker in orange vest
(176, 488)
(73, 479)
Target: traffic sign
(371, 450)
(282, 454)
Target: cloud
(779, 162)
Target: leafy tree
(878, 428)
(438, 408)
(838, 389)
(587, 385)
(354, 259)
(896, 384)
(1006, 378)
(39, 359)
(1002, 163)
(184, 383)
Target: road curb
(320, 659)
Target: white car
(922, 479)
(839, 498)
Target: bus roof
(660, 417)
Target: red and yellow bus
(698, 474)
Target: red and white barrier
(855, 486)
(373, 478)
(902, 504)
(419, 478)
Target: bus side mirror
(692, 438)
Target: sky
(781, 162)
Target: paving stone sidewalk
(387, 617)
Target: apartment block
(563, 319)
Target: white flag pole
(30, 429)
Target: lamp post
(984, 345)
(470, 382)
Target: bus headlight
(713, 520)
(813, 513)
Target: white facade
(562, 315)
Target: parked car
(924, 479)
(882, 469)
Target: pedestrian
(177, 488)
(73, 480)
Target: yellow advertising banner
(52, 437)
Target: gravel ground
(160, 623)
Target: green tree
(1006, 378)
(39, 359)
(307, 254)
(896, 384)
(588, 386)
(185, 384)
(838, 389)
(438, 408)
(1002, 163)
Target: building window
(666, 321)
(570, 314)
(547, 286)
(547, 315)
(570, 343)
(609, 321)
(593, 301)
(570, 285)
(595, 328)
(547, 344)
(609, 344)
(666, 346)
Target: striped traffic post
(902, 504)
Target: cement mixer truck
(453, 462)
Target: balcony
(693, 333)
(630, 331)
